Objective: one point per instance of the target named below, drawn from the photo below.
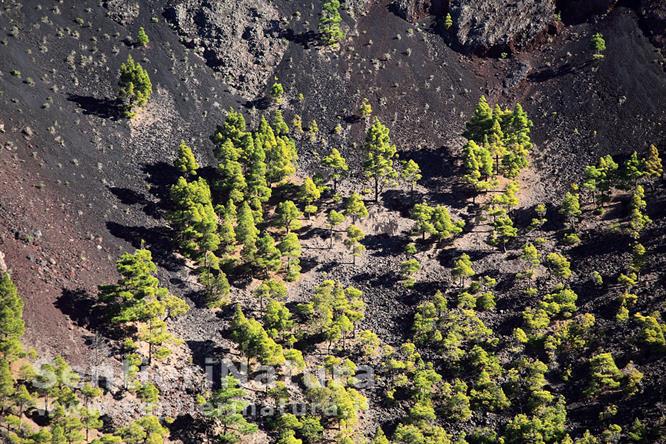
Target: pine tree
(408, 269)
(185, 162)
(90, 420)
(503, 230)
(268, 256)
(310, 192)
(443, 224)
(605, 375)
(226, 227)
(279, 124)
(289, 215)
(570, 207)
(135, 86)
(479, 166)
(463, 268)
(514, 160)
(145, 430)
(297, 124)
(531, 255)
(7, 388)
(11, 318)
(329, 23)
(277, 92)
(355, 208)
(313, 130)
(653, 164)
(138, 298)
(277, 320)
(232, 176)
(481, 122)
(354, 237)
(381, 154)
(411, 173)
(257, 185)
(509, 198)
(448, 21)
(334, 219)
(142, 38)
(217, 287)
(365, 110)
(291, 249)
(280, 160)
(599, 45)
(638, 219)
(270, 289)
(422, 215)
(247, 232)
(233, 129)
(600, 178)
(559, 265)
(194, 217)
(633, 169)
(254, 341)
(337, 166)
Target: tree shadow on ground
(306, 39)
(130, 197)
(160, 176)
(81, 307)
(186, 428)
(560, 71)
(105, 108)
(387, 280)
(159, 240)
(384, 244)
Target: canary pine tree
(185, 162)
(11, 318)
(380, 157)
(329, 23)
(337, 167)
(135, 86)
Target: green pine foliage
(185, 162)
(194, 217)
(598, 45)
(138, 302)
(142, 38)
(330, 23)
(11, 319)
(135, 86)
(381, 154)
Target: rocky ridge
(238, 39)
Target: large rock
(412, 10)
(123, 12)
(239, 38)
(498, 25)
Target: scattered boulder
(123, 12)
(482, 26)
(3, 265)
(240, 39)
